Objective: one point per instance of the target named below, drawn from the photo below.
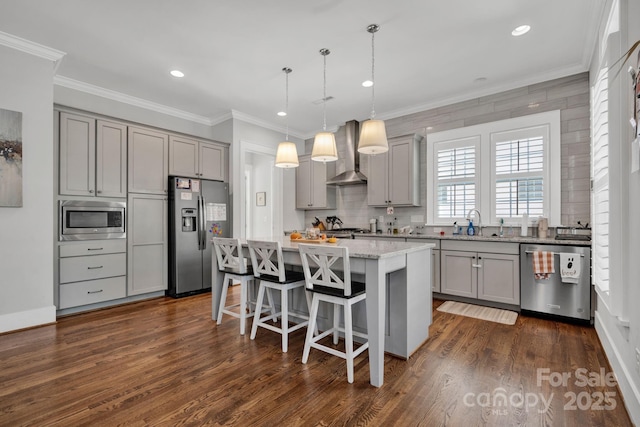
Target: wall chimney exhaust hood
(352, 174)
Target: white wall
(620, 342)
(26, 233)
(250, 133)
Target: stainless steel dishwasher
(552, 295)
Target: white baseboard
(27, 319)
(628, 388)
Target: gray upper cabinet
(197, 159)
(394, 177)
(93, 157)
(312, 192)
(148, 161)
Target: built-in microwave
(92, 220)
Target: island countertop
(373, 249)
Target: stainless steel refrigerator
(199, 209)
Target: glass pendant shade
(324, 147)
(287, 155)
(373, 138)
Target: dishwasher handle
(555, 253)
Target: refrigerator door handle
(203, 223)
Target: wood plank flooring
(164, 362)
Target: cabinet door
(77, 155)
(183, 157)
(111, 159)
(303, 183)
(377, 180)
(435, 270)
(458, 276)
(499, 278)
(400, 173)
(212, 161)
(148, 161)
(147, 244)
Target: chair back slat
(229, 254)
(267, 259)
(326, 266)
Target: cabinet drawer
(92, 291)
(76, 269)
(481, 246)
(94, 247)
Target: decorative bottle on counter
(395, 225)
(471, 229)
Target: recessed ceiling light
(522, 29)
(367, 83)
(282, 113)
(177, 73)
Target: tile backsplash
(569, 94)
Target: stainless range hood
(352, 174)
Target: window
(519, 167)
(456, 180)
(522, 156)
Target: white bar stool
(233, 264)
(328, 276)
(269, 268)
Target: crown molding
(238, 115)
(489, 90)
(32, 48)
(130, 100)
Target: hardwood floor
(165, 362)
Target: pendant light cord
(324, 53)
(286, 102)
(373, 67)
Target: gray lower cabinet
(91, 272)
(147, 239)
(435, 254)
(435, 261)
(468, 271)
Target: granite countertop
(374, 249)
(513, 239)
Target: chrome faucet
(479, 226)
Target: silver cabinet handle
(90, 191)
(476, 265)
(94, 292)
(95, 249)
(94, 268)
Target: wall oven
(91, 220)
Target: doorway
(261, 207)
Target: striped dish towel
(542, 264)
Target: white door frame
(276, 189)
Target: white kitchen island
(398, 284)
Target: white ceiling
(428, 53)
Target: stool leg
(243, 304)
(284, 306)
(223, 298)
(307, 296)
(336, 323)
(274, 319)
(310, 328)
(348, 340)
(256, 315)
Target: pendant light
(324, 144)
(373, 135)
(287, 155)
